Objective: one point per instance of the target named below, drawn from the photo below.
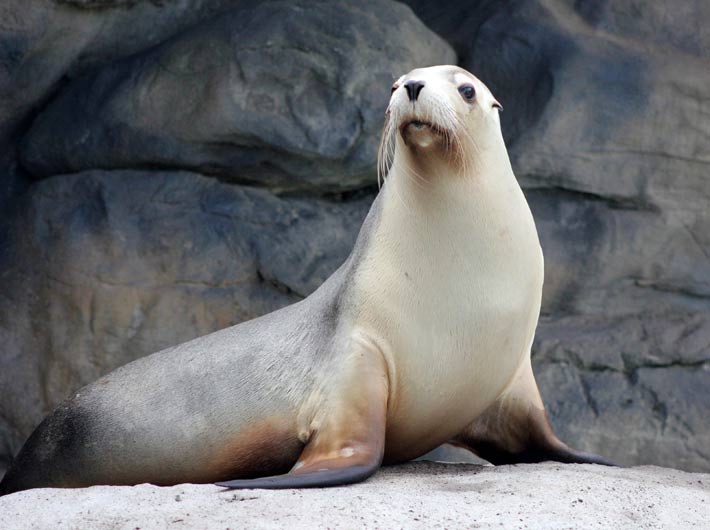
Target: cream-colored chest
(450, 291)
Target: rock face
(416, 495)
(286, 94)
(46, 43)
(108, 267)
(102, 267)
(607, 121)
(171, 168)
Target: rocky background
(172, 167)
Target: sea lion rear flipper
(347, 432)
(515, 429)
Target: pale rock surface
(417, 495)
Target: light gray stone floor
(415, 495)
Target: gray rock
(105, 267)
(105, 3)
(13, 181)
(593, 110)
(606, 108)
(287, 94)
(604, 259)
(607, 123)
(44, 42)
(682, 29)
(634, 388)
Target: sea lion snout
(413, 88)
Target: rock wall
(171, 168)
(607, 119)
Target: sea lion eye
(467, 92)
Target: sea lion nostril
(413, 88)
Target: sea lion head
(440, 114)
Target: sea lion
(421, 337)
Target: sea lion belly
(448, 362)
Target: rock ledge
(415, 495)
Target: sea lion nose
(413, 88)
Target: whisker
(417, 179)
(385, 153)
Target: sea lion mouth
(418, 135)
(418, 126)
(422, 134)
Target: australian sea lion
(421, 337)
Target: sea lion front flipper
(515, 429)
(319, 467)
(347, 430)
(321, 478)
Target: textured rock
(281, 93)
(93, 276)
(43, 42)
(622, 352)
(417, 495)
(594, 108)
(606, 120)
(634, 413)
(682, 27)
(106, 267)
(104, 3)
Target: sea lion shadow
(445, 476)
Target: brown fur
(268, 447)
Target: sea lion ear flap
(497, 105)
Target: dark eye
(394, 87)
(467, 92)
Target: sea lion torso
(450, 361)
